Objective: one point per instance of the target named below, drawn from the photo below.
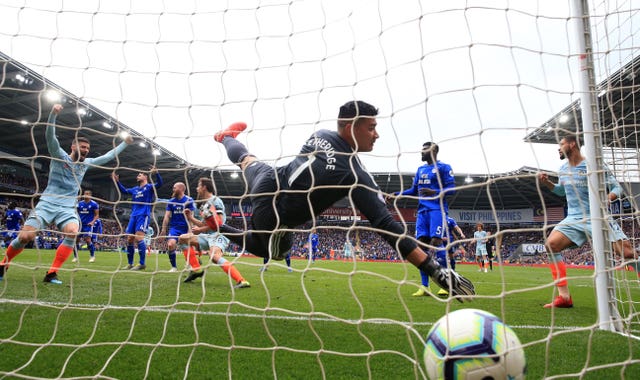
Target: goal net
(496, 85)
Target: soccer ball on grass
(473, 344)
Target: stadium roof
(619, 112)
(24, 108)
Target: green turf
(335, 320)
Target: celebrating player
(89, 212)
(433, 182)
(143, 197)
(575, 229)
(326, 170)
(480, 238)
(206, 238)
(57, 203)
(175, 220)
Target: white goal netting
(496, 84)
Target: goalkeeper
(326, 170)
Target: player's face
(365, 134)
(479, 227)
(87, 197)
(429, 154)
(564, 149)
(201, 190)
(81, 150)
(141, 177)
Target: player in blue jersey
(143, 196)
(575, 229)
(174, 220)
(480, 237)
(89, 212)
(57, 203)
(453, 233)
(13, 220)
(327, 169)
(96, 232)
(433, 183)
(314, 241)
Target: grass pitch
(330, 319)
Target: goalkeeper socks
(229, 269)
(62, 254)
(14, 249)
(172, 258)
(142, 251)
(236, 151)
(130, 253)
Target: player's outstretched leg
(231, 131)
(459, 286)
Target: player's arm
(615, 191)
(96, 215)
(553, 187)
(165, 221)
(159, 182)
(116, 180)
(111, 155)
(458, 231)
(53, 145)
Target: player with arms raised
(326, 170)
(57, 203)
(143, 197)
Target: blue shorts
(138, 224)
(46, 213)
(87, 230)
(174, 233)
(578, 230)
(430, 224)
(208, 241)
(11, 234)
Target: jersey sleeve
(366, 198)
(53, 145)
(110, 155)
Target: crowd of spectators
(366, 243)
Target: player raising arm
(326, 170)
(57, 203)
(575, 229)
(143, 197)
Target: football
(473, 344)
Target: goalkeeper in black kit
(326, 170)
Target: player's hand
(153, 169)
(115, 177)
(198, 230)
(188, 213)
(56, 109)
(426, 192)
(129, 139)
(543, 177)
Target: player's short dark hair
(570, 137)
(354, 109)
(87, 191)
(80, 139)
(428, 145)
(207, 183)
(11, 205)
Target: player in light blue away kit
(57, 203)
(13, 220)
(314, 241)
(175, 220)
(480, 238)
(575, 229)
(89, 212)
(143, 197)
(433, 183)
